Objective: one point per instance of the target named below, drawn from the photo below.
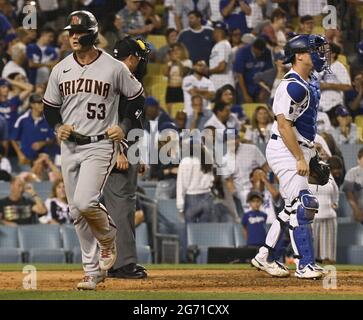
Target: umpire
(119, 192)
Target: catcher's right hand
(319, 171)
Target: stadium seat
(154, 69)
(344, 209)
(350, 152)
(9, 251)
(249, 108)
(142, 235)
(70, 240)
(43, 188)
(150, 192)
(358, 120)
(158, 90)
(42, 243)
(240, 241)
(142, 244)
(147, 183)
(4, 189)
(355, 254)
(151, 80)
(204, 235)
(77, 255)
(167, 208)
(176, 108)
(157, 40)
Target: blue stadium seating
(77, 255)
(355, 254)
(349, 235)
(42, 243)
(204, 235)
(167, 208)
(9, 251)
(344, 210)
(44, 189)
(240, 241)
(70, 240)
(142, 244)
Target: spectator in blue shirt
(9, 107)
(249, 61)
(254, 221)
(234, 13)
(32, 135)
(5, 26)
(198, 39)
(42, 57)
(154, 115)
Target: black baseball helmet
(83, 21)
(129, 46)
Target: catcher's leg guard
(304, 210)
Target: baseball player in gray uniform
(81, 103)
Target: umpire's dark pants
(120, 201)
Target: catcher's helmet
(129, 46)
(316, 45)
(83, 21)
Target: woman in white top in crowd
(194, 198)
(325, 221)
(57, 206)
(261, 123)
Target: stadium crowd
(214, 65)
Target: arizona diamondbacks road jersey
(88, 95)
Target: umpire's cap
(83, 21)
(129, 46)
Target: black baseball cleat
(130, 271)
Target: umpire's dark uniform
(119, 191)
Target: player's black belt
(276, 137)
(80, 139)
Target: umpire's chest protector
(305, 123)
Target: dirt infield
(239, 281)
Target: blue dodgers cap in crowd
(360, 48)
(4, 82)
(342, 111)
(254, 194)
(151, 102)
(220, 25)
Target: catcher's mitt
(319, 171)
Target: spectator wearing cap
(357, 62)
(238, 167)
(234, 13)
(274, 31)
(353, 188)
(197, 84)
(354, 97)
(9, 107)
(199, 117)
(42, 56)
(197, 34)
(346, 131)
(163, 53)
(15, 65)
(333, 84)
(306, 24)
(154, 115)
(220, 61)
(184, 7)
(32, 135)
(133, 21)
(249, 61)
(254, 221)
